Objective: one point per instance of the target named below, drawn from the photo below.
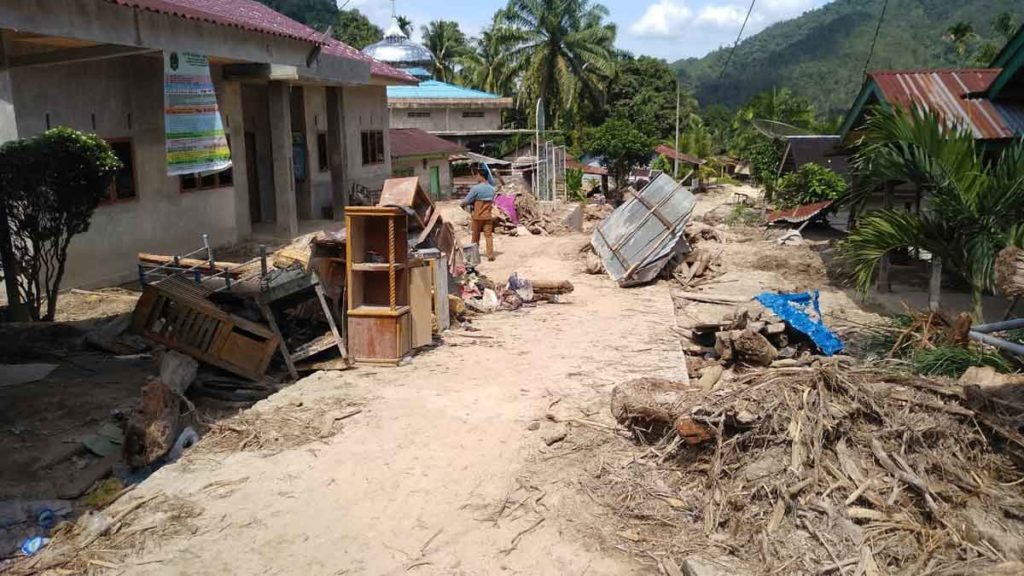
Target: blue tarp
(795, 310)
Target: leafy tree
(620, 145)
(318, 14)
(49, 187)
(643, 91)
(356, 30)
(975, 208)
(574, 184)
(811, 183)
(405, 25)
(448, 44)
(562, 48)
(1004, 25)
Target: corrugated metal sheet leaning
(641, 236)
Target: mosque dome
(397, 50)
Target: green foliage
(821, 54)
(764, 156)
(356, 30)
(953, 361)
(663, 164)
(574, 183)
(643, 91)
(975, 207)
(811, 183)
(49, 187)
(318, 14)
(620, 145)
(485, 64)
(448, 44)
(405, 25)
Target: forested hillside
(821, 54)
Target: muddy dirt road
(429, 477)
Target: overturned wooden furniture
(377, 281)
(177, 314)
(290, 288)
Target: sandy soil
(439, 472)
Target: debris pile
(482, 295)
(829, 468)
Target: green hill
(820, 55)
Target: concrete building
(306, 118)
(417, 153)
(465, 116)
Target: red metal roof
(673, 154)
(255, 17)
(798, 214)
(955, 95)
(585, 168)
(415, 142)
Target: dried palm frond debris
(835, 468)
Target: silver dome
(396, 49)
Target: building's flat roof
(433, 90)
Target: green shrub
(743, 215)
(49, 187)
(811, 183)
(953, 361)
(574, 184)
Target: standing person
(481, 198)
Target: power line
(738, 36)
(878, 27)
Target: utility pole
(675, 161)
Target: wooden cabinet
(379, 320)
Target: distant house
(689, 162)
(987, 101)
(305, 117)
(825, 151)
(417, 153)
(465, 116)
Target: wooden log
(204, 265)
(152, 430)
(552, 286)
(648, 406)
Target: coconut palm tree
(960, 34)
(563, 49)
(486, 66)
(448, 44)
(975, 201)
(405, 25)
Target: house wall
(365, 109)
(446, 119)
(123, 98)
(421, 169)
(316, 123)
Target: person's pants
(487, 227)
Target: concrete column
(8, 120)
(336, 149)
(279, 109)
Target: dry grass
(271, 429)
(834, 468)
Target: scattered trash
(186, 440)
(33, 545)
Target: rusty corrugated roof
(798, 214)
(673, 154)
(255, 17)
(957, 95)
(415, 142)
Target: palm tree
(448, 44)
(960, 34)
(563, 49)
(485, 65)
(405, 25)
(975, 202)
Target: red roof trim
(412, 142)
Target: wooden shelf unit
(379, 322)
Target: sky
(669, 29)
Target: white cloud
(666, 19)
(675, 19)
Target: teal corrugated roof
(429, 89)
